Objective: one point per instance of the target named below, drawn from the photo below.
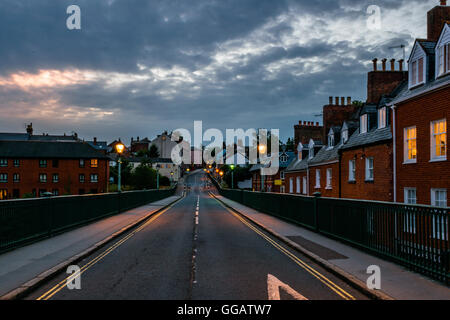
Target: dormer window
(283, 158)
(443, 59)
(417, 72)
(300, 151)
(331, 140)
(311, 149)
(344, 136)
(363, 124)
(382, 118)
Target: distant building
(139, 145)
(35, 168)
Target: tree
(153, 152)
(143, 177)
(125, 172)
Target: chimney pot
(342, 101)
(331, 101)
(392, 64)
(443, 2)
(317, 124)
(349, 101)
(95, 140)
(337, 101)
(384, 64)
(375, 64)
(400, 64)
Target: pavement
(396, 281)
(25, 263)
(197, 249)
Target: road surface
(197, 250)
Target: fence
(412, 235)
(24, 221)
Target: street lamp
(232, 167)
(120, 147)
(262, 150)
(171, 178)
(157, 176)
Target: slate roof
(297, 165)
(5, 136)
(326, 154)
(371, 137)
(46, 149)
(428, 46)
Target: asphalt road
(207, 253)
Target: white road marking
(273, 288)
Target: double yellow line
(316, 274)
(61, 285)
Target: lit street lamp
(232, 167)
(262, 150)
(120, 147)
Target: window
(55, 163)
(417, 72)
(43, 177)
(3, 177)
(410, 145)
(17, 163)
(305, 185)
(82, 164)
(443, 59)
(329, 177)
(439, 198)
(94, 163)
(439, 139)
(363, 124)
(283, 158)
(311, 152)
(352, 170)
(369, 169)
(382, 118)
(3, 194)
(282, 175)
(16, 177)
(297, 185)
(331, 140)
(55, 178)
(82, 178)
(55, 192)
(42, 163)
(410, 196)
(291, 185)
(344, 136)
(317, 179)
(3, 162)
(94, 178)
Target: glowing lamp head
(232, 167)
(120, 147)
(221, 173)
(262, 149)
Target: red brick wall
(335, 115)
(383, 82)
(294, 175)
(269, 183)
(304, 132)
(381, 189)
(328, 193)
(424, 175)
(68, 171)
(436, 19)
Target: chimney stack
(436, 18)
(337, 101)
(349, 101)
(400, 64)
(375, 64)
(342, 101)
(317, 124)
(30, 129)
(392, 64)
(95, 141)
(384, 63)
(331, 101)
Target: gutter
(394, 153)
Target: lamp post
(120, 147)
(157, 176)
(262, 150)
(171, 178)
(232, 167)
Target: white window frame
(282, 175)
(297, 185)
(331, 141)
(414, 74)
(433, 135)
(382, 118)
(94, 175)
(317, 179)
(41, 176)
(352, 171)
(344, 136)
(305, 185)
(407, 198)
(370, 169)
(3, 177)
(434, 201)
(291, 185)
(406, 148)
(329, 178)
(363, 124)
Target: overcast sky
(139, 67)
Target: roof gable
(445, 35)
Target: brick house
(275, 183)
(33, 168)
(307, 130)
(420, 116)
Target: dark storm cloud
(235, 63)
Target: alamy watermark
(374, 17)
(374, 280)
(73, 22)
(73, 282)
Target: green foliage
(164, 181)
(143, 177)
(126, 172)
(240, 174)
(153, 152)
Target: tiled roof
(46, 149)
(297, 165)
(371, 137)
(428, 46)
(326, 154)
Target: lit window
(363, 124)
(317, 179)
(352, 170)
(329, 178)
(439, 139)
(439, 198)
(94, 163)
(369, 169)
(382, 118)
(410, 145)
